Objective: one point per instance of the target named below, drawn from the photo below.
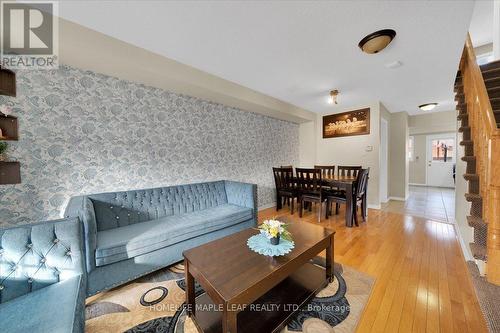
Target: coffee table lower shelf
(298, 289)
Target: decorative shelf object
(10, 173)
(8, 128)
(7, 82)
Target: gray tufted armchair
(42, 280)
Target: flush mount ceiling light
(377, 41)
(332, 99)
(428, 106)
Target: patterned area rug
(155, 303)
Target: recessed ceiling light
(428, 106)
(377, 41)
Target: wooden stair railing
(482, 152)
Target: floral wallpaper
(83, 132)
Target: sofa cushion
(47, 310)
(141, 238)
(120, 209)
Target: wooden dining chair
(290, 167)
(327, 171)
(309, 182)
(360, 195)
(359, 190)
(285, 188)
(348, 170)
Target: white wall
(419, 127)
(435, 122)
(418, 165)
(307, 144)
(350, 150)
(398, 158)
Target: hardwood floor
(422, 282)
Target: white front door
(441, 157)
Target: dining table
(346, 183)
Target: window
(411, 148)
(443, 150)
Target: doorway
(440, 159)
(384, 149)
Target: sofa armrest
(83, 208)
(242, 194)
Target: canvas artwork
(349, 123)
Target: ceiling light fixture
(428, 106)
(332, 99)
(377, 41)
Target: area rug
(155, 303)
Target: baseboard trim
(272, 204)
(415, 184)
(371, 206)
(465, 247)
(397, 198)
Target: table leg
(329, 261)
(229, 324)
(190, 299)
(348, 206)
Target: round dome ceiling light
(377, 41)
(427, 106)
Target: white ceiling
(299, 50)
(481, 25)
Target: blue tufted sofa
(42, 278)
(129, 234)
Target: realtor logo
(29, 32)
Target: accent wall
(83, 132)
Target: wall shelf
(9, 127)
(10, 173)
(7, 82)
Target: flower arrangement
(274, 229)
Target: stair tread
(471, 175)
(478, 251)
(463, 128)
(472, 196)
(490, 65)
(493, 89)
(476, 222)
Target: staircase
(475, 219)
(477, 93)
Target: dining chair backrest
(327, 171)
(361, 183)
(348, 170)
(309, 180)
(288, 167)
(283, 178)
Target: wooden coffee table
(249, 292)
